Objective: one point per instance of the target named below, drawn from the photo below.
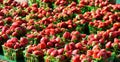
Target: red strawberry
(116, 40)
(5, 36)
(76, 51)
(54, 53)
(14, 40)
(50, 50)
(66, 35)
(42, 45)
(50, 44)
(39, 53)
(76, 58)
(44, 39)
(78, 46)
(10, 45)
(68, 54)
(16, 46)
(72, 45)
(14, 34)
(61, 51)
(4, 29)
(24, 4)
(66, 48)
(61, 57)
(108, 44)
(23, 41)
(89, 52)
(73, 38)
(29, 50)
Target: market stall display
(60, 31)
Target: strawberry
(66, 35)
(39, 53)
(42, 45)
(76, 58)
(54, 53)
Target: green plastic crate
(32, 58)
(13, 54)
(33, 41)
(48, 58)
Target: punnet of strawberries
(60, 31)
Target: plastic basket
(12, 54)
(32, 58)
(33, 41)
(53, 59)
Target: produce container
(33, 41)
(93, 29)
(61, 4)
(44, 5)
(48, 58)
(33, 58)
(40, 3)
(13, 54)
(1, 43)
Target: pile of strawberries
(62, 30)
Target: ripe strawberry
(38, 52)
(24, 4)
(66, 48)
(23, 41)
(108, 44)
(29, 50)
(42, 45)
(10, 45)
(30, 35)
(116, 40)
(16, 46)
(82, 56)
(4, 29)
(58, 45)
(89, 52)
(96, 47)
(75, 52)
(34, 9)
(78, 46)
(15, 34)
(50, 44)
(61, 51)
(66, 35)
(71, 45)
(44, 39)
(76, 58)
(101, 40)
(68, 54)
(58, 39)
(54, 53)
(73, 38)
(5, 36)
(60, 57)
(14, 40)
(50, 50)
